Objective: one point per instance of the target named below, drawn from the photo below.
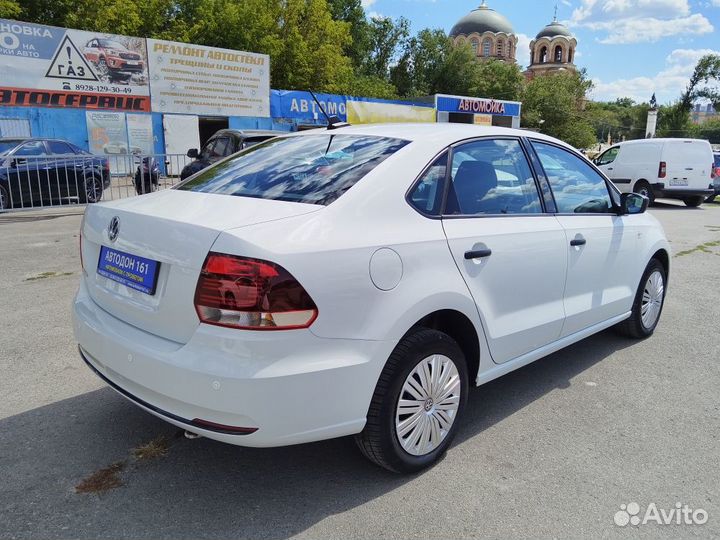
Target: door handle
(477, 254)
(689, 169)
(609, 168)
(580, 241)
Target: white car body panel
(316, 383)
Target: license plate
(132, 62)
(135, 272)
(678, 182)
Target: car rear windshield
(6, 146)
(314, 169)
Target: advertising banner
(368, 112)
(194, 79)
(107, 135)
(300, 105)
(140, 134)
(56, 67)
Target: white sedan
(356, 281)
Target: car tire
(648, 304)
(4, 199)
(693, 202)
(644, 188)
(93, 190)
(411, 437)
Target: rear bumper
(661, 191)
(293, 388)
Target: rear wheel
(93, 190)
(693, 202)
(648, 304)
(643, 188)
(421, 393)
(710, 199)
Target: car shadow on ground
(203, 488)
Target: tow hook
(191, 435)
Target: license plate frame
(138, 273)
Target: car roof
(245, 133)
(441, 132)
(660, 140)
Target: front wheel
(693, 202)
(648, 304)
(421, 393)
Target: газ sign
(54, 67)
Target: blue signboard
(300, 105)
(477, 106)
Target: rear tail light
(239, 292)
(662, 170)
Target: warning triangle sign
(68, 63)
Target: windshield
(6, 146)
(110, 44)
(314, 169)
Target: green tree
(675, 120)
(553, 104)
(498, 80)
(385, 39)
(353, 13)
(9, 9)
(431, 64)
(709, 130)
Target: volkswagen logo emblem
(113, 228)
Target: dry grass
(154, 449)
(103, 480)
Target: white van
(669, 168)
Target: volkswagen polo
(357, 281)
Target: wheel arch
(459, 327)
(664, 258)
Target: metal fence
(28, 182)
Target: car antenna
(333, 122)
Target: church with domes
(491, 36)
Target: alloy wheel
(428, 405)
(652, 299)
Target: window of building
(475, 45)
(487, 47)
(543, 55)
(500, 47)
(558, 54)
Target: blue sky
(630, 47)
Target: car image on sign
(357, 281)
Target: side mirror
(193, 153)
(16, 162)
(633, 203)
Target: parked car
(716, 178)
(669, 168)
(358, 281)
(113, 60)
(46, 171)
(222, 144)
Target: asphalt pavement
(551, 450)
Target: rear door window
(59, 147)
(314, 169)
(491, 177)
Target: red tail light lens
(662, 170)
(239, 292)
